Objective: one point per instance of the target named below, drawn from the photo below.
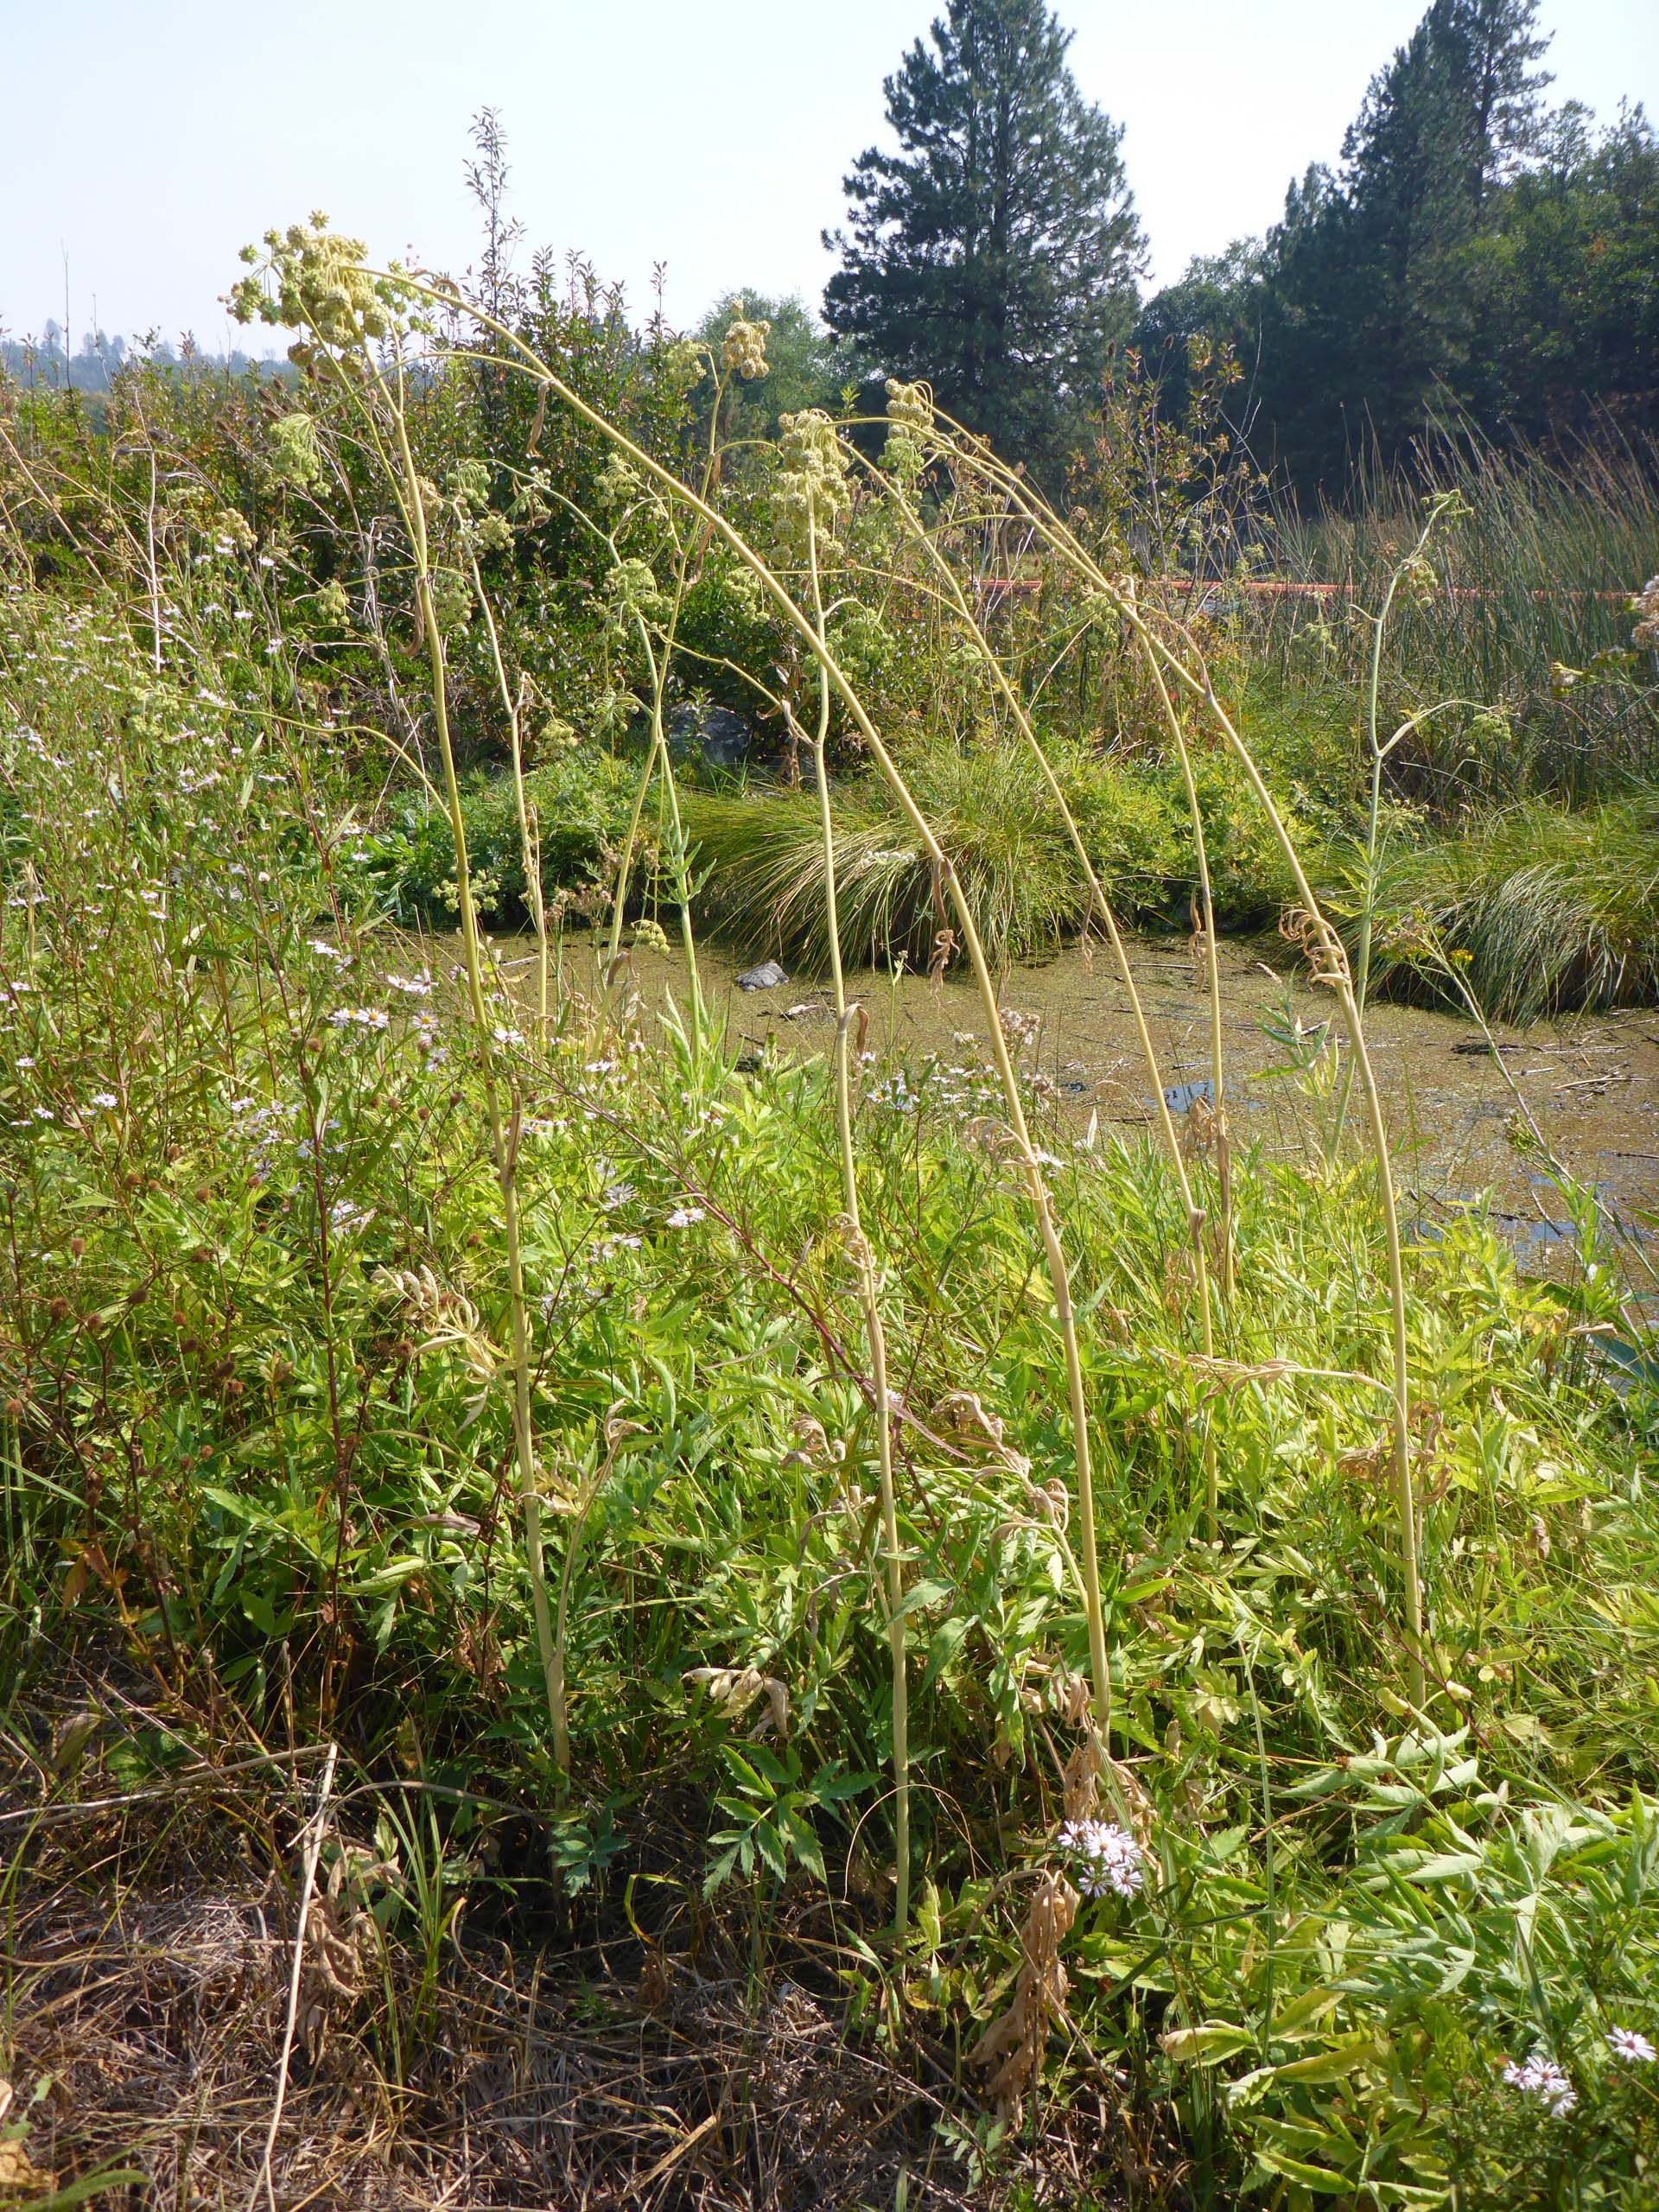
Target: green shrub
(583, 799)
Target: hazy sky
(146, 140)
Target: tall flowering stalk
(911, 416)
(350, 316)
(1172, 651)
(715, 524)
(815, 490)
(530, 836)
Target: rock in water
(766, 977)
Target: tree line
(1476, 256)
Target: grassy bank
(1542, 910)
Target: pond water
(1592, 1081)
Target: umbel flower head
(296, 456)
(310, 279)
(815, 467)
(631, 589)
(910, 406)
(910, 412)
(744, 349)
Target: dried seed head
(744, 349)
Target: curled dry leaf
(1080, 1783)
(961, 1414)
(736, 1689)
(1012, 2048)
(812, 1447)
(1050, 1501)
(340, 1936)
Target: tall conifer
(995, 253)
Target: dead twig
(307, 1882)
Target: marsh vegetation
(890, 1591)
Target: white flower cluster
(1113, 1862)
(895, 1094)
(264, 1130)
(1542, 2078)
(684, 1217)
(1645, 607)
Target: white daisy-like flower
(106, 1099)
(1111, 1861)
(684, 1218)
(1542, 2078)
(1627, 2043)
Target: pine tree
(995, 253)
(1492, 45)
(1377, 313)
(1476, 255)
(1410, 161)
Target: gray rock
(723, 738)
(726, 738)
(766, 977)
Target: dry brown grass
(146, 1965)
